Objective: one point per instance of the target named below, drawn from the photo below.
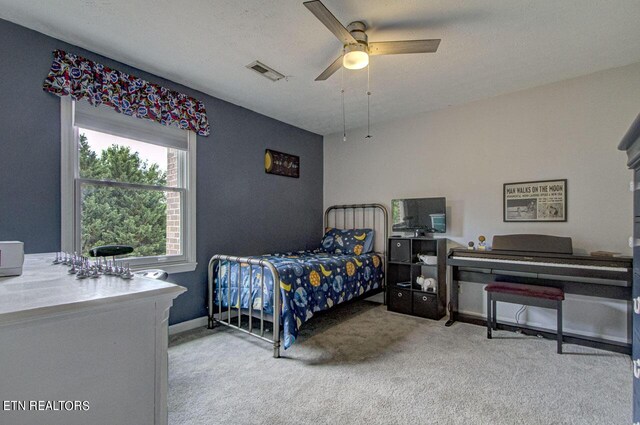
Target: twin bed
(348, 264)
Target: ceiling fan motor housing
(357, 30)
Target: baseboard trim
(508, 320)
(196, 323)
(568, 338)
(188, 325)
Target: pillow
(348, 241)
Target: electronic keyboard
(547, 261)
(577, 262)
(542, 255)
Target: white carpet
(359, 364)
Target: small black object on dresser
(405, 267)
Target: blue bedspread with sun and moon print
(310, 281)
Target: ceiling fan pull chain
(368, 102)
(344, 115)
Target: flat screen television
(426, 214)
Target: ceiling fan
(357, 48)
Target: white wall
(568, 129)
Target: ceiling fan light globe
(355, 59)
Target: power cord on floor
(518, 313)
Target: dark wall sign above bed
(540, 201)
(281, 164)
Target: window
(128, 181)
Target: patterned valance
(80, 78)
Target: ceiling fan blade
(401, 47)
(326, 17)
(331, 69)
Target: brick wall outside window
(173, 205)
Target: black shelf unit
(404, 295)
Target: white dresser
(99, 343)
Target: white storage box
(430, 260)
(11, 258)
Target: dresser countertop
(46, 289)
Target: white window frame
(70, 199)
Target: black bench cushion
(533, 291)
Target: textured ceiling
(488, 48)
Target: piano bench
(518, 293)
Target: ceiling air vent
(265, 71)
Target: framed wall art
(536, 201)
(281, 164)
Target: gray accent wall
(241, 209)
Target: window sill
(170, 268)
